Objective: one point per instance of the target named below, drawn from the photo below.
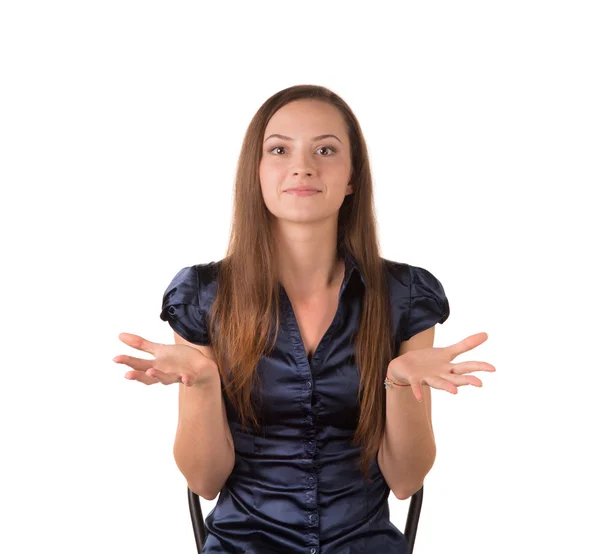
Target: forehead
(310, 116)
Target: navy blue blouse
(296, 486)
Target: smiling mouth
(302, 192)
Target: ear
(349, 189)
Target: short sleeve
(187, 301)
(428, 303)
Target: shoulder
(411, 280)
(398, 276)
(417, 297)
(191, 282)
(203, 274)
(207, 273)
(187, 301)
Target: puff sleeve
(428, 304)
(186, 303)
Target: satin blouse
(296, 486)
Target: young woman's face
(303, 160)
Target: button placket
(309, 446)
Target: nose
(302, 164)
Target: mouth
(303, 192)
(302, 187)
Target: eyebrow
(320, 137)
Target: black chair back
(410, 530)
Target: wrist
(208, 377)
(389, 383)
(394, 374)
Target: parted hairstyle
(244, 318)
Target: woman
(305, 359)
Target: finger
(138, 364)
(163, 377)
(460, 380)
(139, 343)
(466, 367)
(141, 377)
(417, 390)
(466, 344)
(187, 379)
(442, 384)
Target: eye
(333, 150)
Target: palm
(173, 363)
(434, 367)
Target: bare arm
(408, 450)
(203, 449)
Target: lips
(302, 192)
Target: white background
(120, 127)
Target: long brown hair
(245, 313)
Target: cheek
(268, 185)
(263, 177)
(269, 176)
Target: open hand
(433, 367)
(174, 363)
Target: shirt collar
(351, 267)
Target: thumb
(139, 343)
(467, 344)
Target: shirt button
(308, 384)
(311, 479)
(172, 310)
(313, 550)
(312, 518)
